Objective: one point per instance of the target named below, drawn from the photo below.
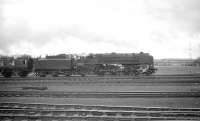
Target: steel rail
(53, 112)
(57, 94)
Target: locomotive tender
(95, 64)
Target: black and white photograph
(99, 60)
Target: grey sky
(163, 28)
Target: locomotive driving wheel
(7, 72)
(23, 73)
(82, 70)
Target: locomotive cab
(23, 66)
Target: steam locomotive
(95, 64)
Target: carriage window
(12, 63)
(1, 63)
(24, 62)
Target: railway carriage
(20, 66)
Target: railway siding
(153, 90)
(44, 112)
(101, 88)
(57, 94)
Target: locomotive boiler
(116, 64)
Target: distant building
(197, 62)
(60, 56)
(174, 62)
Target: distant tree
(197, 61)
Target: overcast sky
(163, 28)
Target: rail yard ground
(173, 93)
(171, 70)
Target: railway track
(58, 94)
(104, 80)
(62, 112)
(194, 76)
